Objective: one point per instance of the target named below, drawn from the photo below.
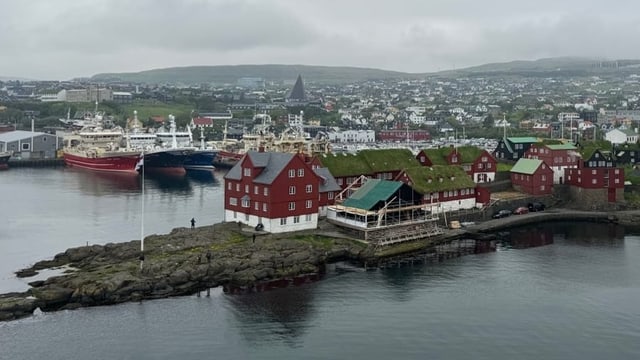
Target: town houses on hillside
(478, 163)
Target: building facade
(532, 176)
(30, 145)
(513, 148)
(559, 157)
(278, 190)
(596, 181)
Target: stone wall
(594, 199)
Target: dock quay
(36, 163)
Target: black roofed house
(627, 153)
(513, 148)
(384, 212)
(278, 190)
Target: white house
(617, 136)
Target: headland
(190, 261)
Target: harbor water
(552, 291)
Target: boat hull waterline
(116, 162)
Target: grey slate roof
(329, 183)
(272, 163)
(19, 135)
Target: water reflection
(277, 315)
(105, 183)
(528, 237)
(202, 176)
(178, 183)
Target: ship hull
(4, 160)
(201, 160)
(114, 162)
(226, 159)
(169, 161)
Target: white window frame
(292, 173)
(233, 201)
(292, 205)
(265, 191)
(308, 204)
(292, 190)
(300, 172)
(309, 188)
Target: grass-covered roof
(388, 159)
(345, 164)
(468, 154)
(427, 179)
(587, 148)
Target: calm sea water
(575, 297)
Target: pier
(36, 163)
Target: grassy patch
(316, 241)
(400, 248)
(502, 167)
(233, 240)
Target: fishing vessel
(99, 149)
(261, 138)
(202, 158)
(159, 157)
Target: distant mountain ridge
(229, 74)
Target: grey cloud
(178, 25)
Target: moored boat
(100, 159)
(95, 148)
(4, 160)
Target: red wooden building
(278, 190)
(384, 164)
(596, 180)
(444, 188)
(476, 162)
(558, 156)
(532, 176)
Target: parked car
(521, 210)
(536, 206)
(502, 214)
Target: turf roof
(421, 175)
(468, 154)
(368, 162)
(389, 159)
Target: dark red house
(278, 190)
(532, 176)
(558, 156)
(596, 180)
(478, 163)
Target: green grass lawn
(502, 167)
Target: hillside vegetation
(229, 74)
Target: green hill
(229, 74)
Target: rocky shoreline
(177, 264)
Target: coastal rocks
(16, 305)
(175, 264)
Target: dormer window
(454, 159)
(247, 171)
(453, 178)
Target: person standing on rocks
(193, 223)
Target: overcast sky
(62, 39)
